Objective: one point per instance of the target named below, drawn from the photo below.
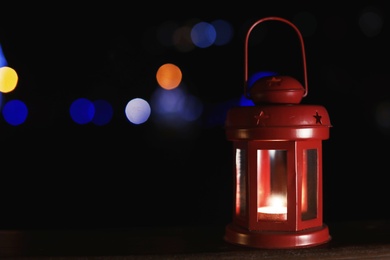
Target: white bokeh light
(137, 111)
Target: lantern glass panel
(272, 185)
(241, 183)
(309, 184)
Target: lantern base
(277, 239)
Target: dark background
(56, 174)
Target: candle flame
(277, 201)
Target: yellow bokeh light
(8, 79)
(169, 76)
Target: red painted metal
(277, 146)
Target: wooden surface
(350, 240)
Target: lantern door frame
(302, 149)
(241, 184)
(296, 170)
(253, 183)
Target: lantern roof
(277, 89)
(278, 121)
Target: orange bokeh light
(169, 76)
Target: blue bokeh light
(224, 32)
(82, 111)
(103, 112)
(15, 112)
(203, 34)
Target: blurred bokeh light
(137, 111)
(103, 112)
(15, 112)
(169, 76)
(8, 79)
(82, 111)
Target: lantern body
(277, 175)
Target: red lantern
(277, 147)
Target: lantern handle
(302, 47)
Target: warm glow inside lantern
(277, 146)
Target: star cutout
(318, 118)
(260, 116)
(274, 82)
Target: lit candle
(276, 211)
